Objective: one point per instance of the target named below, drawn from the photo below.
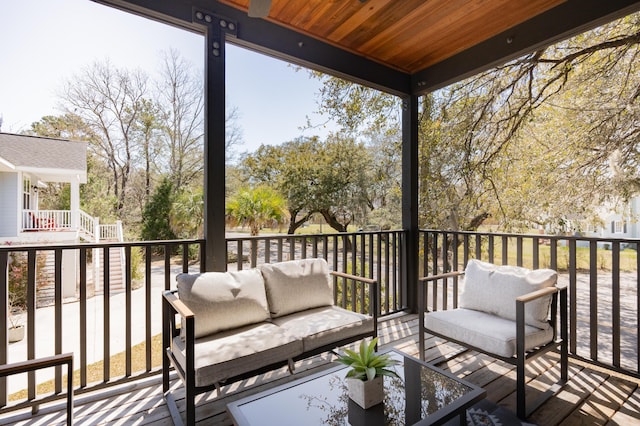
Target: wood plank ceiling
(388, 31)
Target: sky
(44, 43)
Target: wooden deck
(593, 396)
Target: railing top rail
(544, 236)
(27, 247)
(289, 236)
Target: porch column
(75, 204)
(214, 138)
(410, 200)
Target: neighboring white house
(29, 163)
(617, 221)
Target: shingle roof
(49, 153)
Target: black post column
(410, 199)
(214, 138)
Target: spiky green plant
(366, 364)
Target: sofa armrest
(373, 291)
(172, 305)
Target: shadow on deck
(592, 395)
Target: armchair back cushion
(224, 300)
(493, 289)
(297, 285)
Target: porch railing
(123, 326)
(87, 225)
(46, 220)
(601, 275)
(375, 255)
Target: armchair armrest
(441, 276)
(529, 297)
(423, 283)
(176, 304)
(521, 302)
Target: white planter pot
(16, 334)
(366, 393)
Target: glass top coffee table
(423, 395)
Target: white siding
(8, 209)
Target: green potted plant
(364, 378)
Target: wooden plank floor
(593, 396)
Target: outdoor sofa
(234, 325)
(508, 312)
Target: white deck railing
(87, 224)
(46, 220)
(61, 220)
(109, 232)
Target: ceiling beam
(276, 41)
(566, 20)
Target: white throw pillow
(297, 285)
(224, 300)
(493, 289)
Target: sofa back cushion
(493, 289)
(224, 300)
(297, 285)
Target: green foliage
(137, 256)
(187, 214)
(256, 207)
(18, 277)
(366, 364)
(543, 139)
(155, 217)
(328, 177)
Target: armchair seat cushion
(321, 326)
(233, 352)
(485, 331)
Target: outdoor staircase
(116, 270)
(90, 229)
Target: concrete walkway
(45, 332)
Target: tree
(148, 128)
(291, 169)
(256, 207)
(525, 142)
(187, 214)
(68, 126)
(325, 177)
(110, 101)
(181, 96)
(156, 214)
(340, 193)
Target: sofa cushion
(493, 289)
(297, 285)
(322, 326)
(238, 351)
(487, 332)
(224, 300)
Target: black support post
(410, 199)
(214, 137)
